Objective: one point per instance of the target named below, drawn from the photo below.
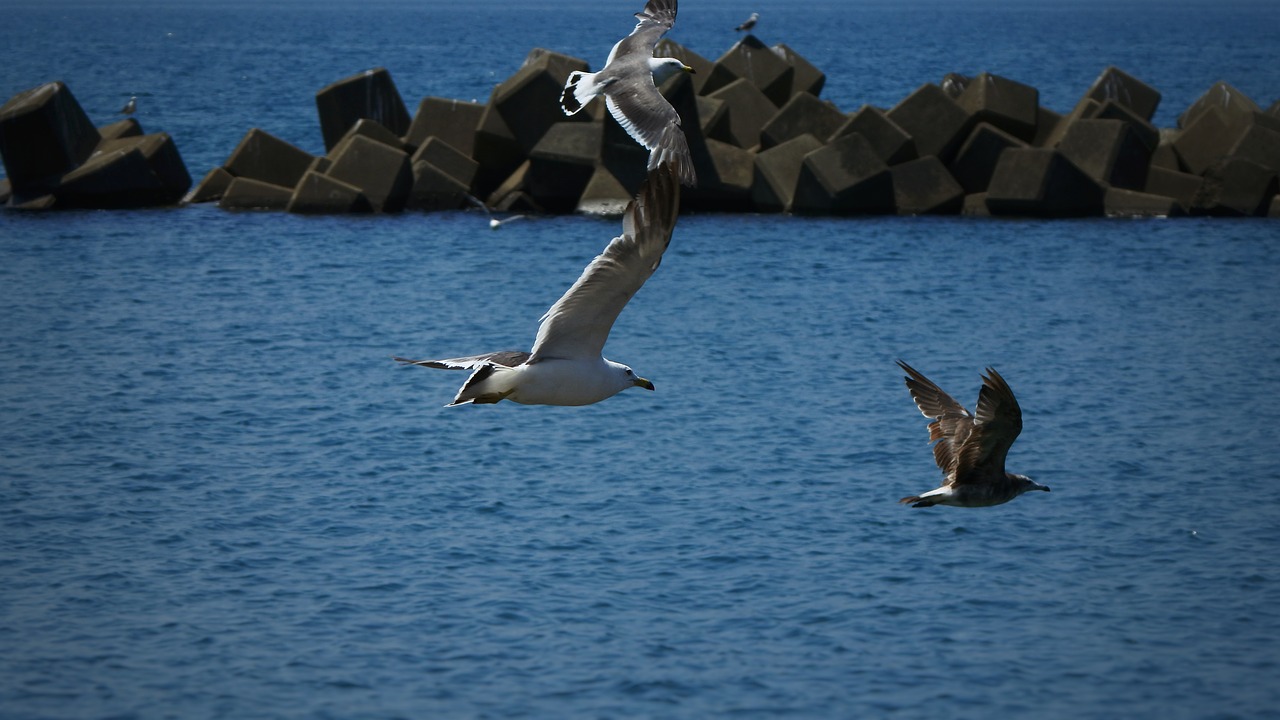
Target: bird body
(130, 107)
(628, 82)
(749, 24)
(566, 365)
(552, 381)
(970, 449)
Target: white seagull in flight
(565, 366)
(629, 81)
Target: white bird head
(665, 67)
(626, 377)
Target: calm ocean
(220, 498)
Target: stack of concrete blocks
(55, 158)
(760, 137)
(377, 158)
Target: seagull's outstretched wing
(952, 423)
(997, 425)
(506, 358)
(655, 20)
(578, 324)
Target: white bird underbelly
(550, 382)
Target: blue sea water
(220, 498)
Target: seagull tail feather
(578, 91)
(916, 501)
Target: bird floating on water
(629, 82)
(749, 24)
(131, 106)
(565, 366)
(970, 449)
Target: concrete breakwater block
(374, 130)
(1260, 144)
(245, 193)
(128, 127)
(1119, 202)
(1113, 84)
(265, 157)
(447, 159)
(1042, 182)
(976, 160)
(1208, 139)
(776, 172)
(751, 60)
(129, 172)
(1236, 187)
(936, 122)
(805, 76)
(318, 193)
(802, 114)
(453, 121)
(844, 177)
(44, 133)
(56, 158)
(1145, 131)
(562, 163)
(1109, 151)
(747, 111)
(890, 142)
(370, 94)
(727, 186)
(923, 187)
(1183, 187)
(435, 189)
(1006, 104)
(1221, 96)
(381, 172)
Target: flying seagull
(970, 449)
(565, 366)
(494, 222)
(749, 24)
(628, 82)
(130, 106)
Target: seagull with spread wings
(565, 366)
(629, 82)
(970, 449)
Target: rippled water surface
(219, 497)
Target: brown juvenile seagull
(970, 449)
(629, 82)
(565, 366)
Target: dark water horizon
(220, 498)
